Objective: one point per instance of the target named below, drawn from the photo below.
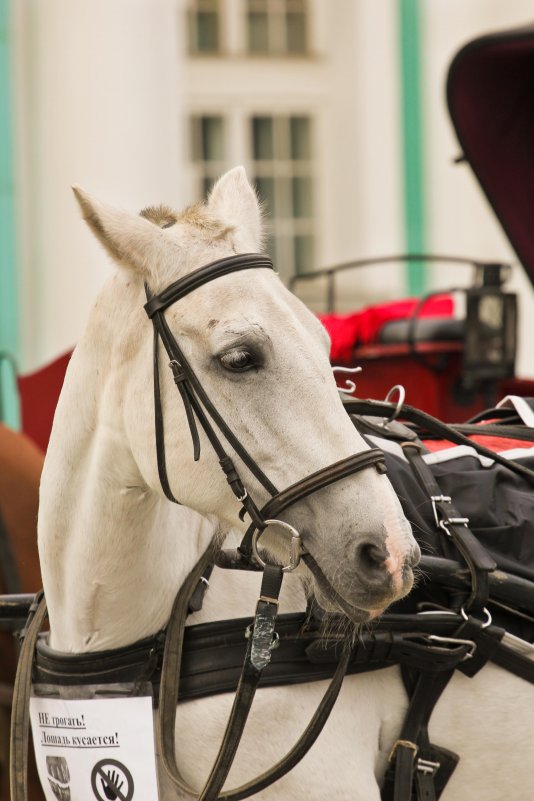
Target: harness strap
(20, 713)
(183, 286)
(435, 427)
(250, 677)
(399, 779)
(302, 489)
(160, 427)
(478, 560)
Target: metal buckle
(427, 767)
(455, 641)
(402, 744)
(445, 522)
(451, 521)
(296, 546)
(438, 499)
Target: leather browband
(183, 286)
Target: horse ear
(130, 239)
(234, 202)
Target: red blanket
(347, 331)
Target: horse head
(263, 360)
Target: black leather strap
(183, 286)
(433, 426)
(478, 560)
(159, 426)
(302, 489)
(20, 713)
(406, 750)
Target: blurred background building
(335, 107)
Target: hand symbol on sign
(112, 779)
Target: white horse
(114, 550)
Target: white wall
(98, 104)
(105, 91)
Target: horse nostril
(371, 556)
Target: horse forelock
(196, 215)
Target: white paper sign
(97, 749)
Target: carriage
(188, 457)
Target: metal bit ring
(296, 545)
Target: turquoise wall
(409, 26)
(9, 289)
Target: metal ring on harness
(350, 386)
(296, 545)
(400, 403)
(488, 621)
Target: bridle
(198, 406)
(262, 637)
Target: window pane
(262, 138)
(296, 33)
(284, 255)
(207, 32)
(258, 32)
(265, 187)
(300, 138)
(303, 253)
(284, 201)
(212, 138)
(302, 196)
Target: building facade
(144, 101)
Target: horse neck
(113, 552)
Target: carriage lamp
(490, 325)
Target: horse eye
(239, 361)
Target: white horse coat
(114, 551)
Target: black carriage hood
(490, 94)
